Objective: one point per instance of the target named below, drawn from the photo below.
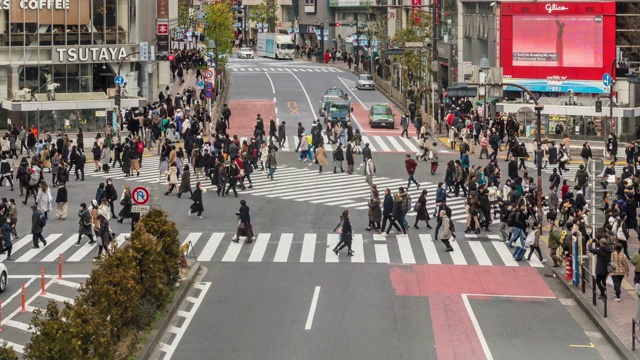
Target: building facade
(59, 59)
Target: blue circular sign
(209, 85)
(119, 80)
(208, 94)
(606, 79)
(200, 83)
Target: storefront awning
(567, 110)
(489, 101)
(556, 86)
(72, 101)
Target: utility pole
(436, 71)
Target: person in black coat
(196, 197)
(350, 160)
(346, 235)
(603, 255)
(244, 227)
(513, 168)
(553, 154)
(273, 130)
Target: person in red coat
(411, 166)
(327, 57)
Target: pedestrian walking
(432, 156)
(446, 233)
(61, 201)
(97, 154)
(103, 236)
(554, 244)
(6, 171)
(404, 123)
(111, 195)
(602, 251)
(126, 203)
(411, 165)
(7, 233)
(38, 222)
(349, 158)
(44, 199)
(346, 236)
(244, 226)
(197, 207)
(338, 158)
(533, 240)
(375, 211)
(220, 178)
(620, 267)
(185, 181)
(172, 178)
(272, 164)
(321, 157)
(369, 170)
(420, 208)
(85, 224)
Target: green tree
(157, 223)
(7, 352)
(266, 12)
(219, 27)
(418, 30)
(183, 13)
(47, 324)
(148, 257)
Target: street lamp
(484, 69)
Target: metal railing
(591, 283)
(634, 337)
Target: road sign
(599, 166)
(200, 83)
(606, 79)
(209, 85)
(119, 80)
(208, 94)
(144, 51)
(208, 74)
(163, 28)
(140, 195)
(142, 209)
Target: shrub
(53, 336)
(148, 257)
(157, 223)
(7, 352)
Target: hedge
(117, 303)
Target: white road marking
(479, 252)
(304, 90)
(409, 144)
(456, 254)
(381, 143)
(82, 252)
(312, 309)
(170, 349)
(284, 246)
(61, 249)
(332, 241)
(259, 247)
(504, 253)
(382, 253)
(210, 247)
(271, 82)
(474, 320)
(406, 253)
(308, 248)
(232, 252)
(430, 250)
(357, 245)
(33, 252)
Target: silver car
(365, 81)
(245, 53)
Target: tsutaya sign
(89, 54)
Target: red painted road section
(361, 115)
(455, 335)
(244, 114)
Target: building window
(310, 6)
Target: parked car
(245, 53)
(382, 116)
(365, 81)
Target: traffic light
(598, 106)
(336, 24)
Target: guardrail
(634, 337)
(593, 287)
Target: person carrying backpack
(533, 240)
(518, 221)
(38, 222)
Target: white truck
(275, 46)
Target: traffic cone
(568, 273)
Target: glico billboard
(557, 41)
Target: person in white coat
(44, 199)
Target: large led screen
(558, 40)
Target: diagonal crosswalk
(306, 184)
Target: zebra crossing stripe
(396, 145)
(308, 248)
(357, 245)
(407, 143)
(192, 238)
(259, 247)
(430, 250)
(82, 252)
(456, 255)
(211, 247)
(232, 252)
(332, 241)
(505, 254)
(61, 249)
(120, 239)
(535, 261)
(284, 245)
(381, 143)
(33, 252)
(480, 253)
(382, 253)
(365, 140)
(18, 245)
(406, 253)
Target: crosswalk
(57, 244)
(286, 69)
(573, 167)
(413, 248)
(307, 185)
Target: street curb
(596, 319)
(162, 325)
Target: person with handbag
(244, 226)
(346, 236)
(85, 224)
(196, 197)
(602, 251)
(103, 235)
(564, 158)
(172, 178)
(125, 202)
(619, 269)
(420, 209)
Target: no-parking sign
(140, 195)
(208, 74)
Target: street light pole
(119, 93)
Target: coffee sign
(90, 54)
(36, 4)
